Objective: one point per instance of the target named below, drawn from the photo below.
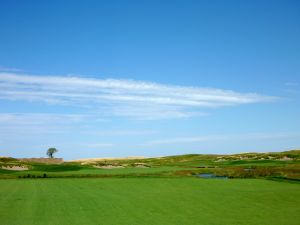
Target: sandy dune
(107, 159)
(16, 168)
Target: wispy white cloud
(38, 118)
(19, 125)
(118, 132)
(222, 137)
(129, 98)
(292, 88)
(9, 69)
(99, 145)
(292, 84)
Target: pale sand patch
(141, 165)
(107, 159)
(109, 167)
(16, 168)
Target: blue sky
(148, 78)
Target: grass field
(136, 201)
(154, 191)
(285, 165)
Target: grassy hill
(277, 165)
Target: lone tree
(51, 151)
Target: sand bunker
(141, 165)
(109, 167)
(16, 168)
(107, 159)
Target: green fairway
(137, 201)
(92, 172)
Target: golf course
(152, 112)
(236, 190)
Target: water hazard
(210, 176)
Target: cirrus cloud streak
(127, 98)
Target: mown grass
(56, 167)
(57, 171)
(148, 201)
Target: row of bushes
(239, 172)
(34, 176)
(232, 172)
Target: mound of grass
(7, 159)
(284, 164)
(56, 167)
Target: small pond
(211, 176)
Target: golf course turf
(137, 201)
